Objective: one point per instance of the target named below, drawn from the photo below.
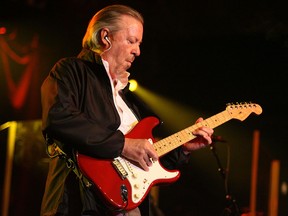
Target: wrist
(185, 151)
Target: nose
(136, 50)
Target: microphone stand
(231, 208)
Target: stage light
(284, 188)
(133, 85)
(2, 30)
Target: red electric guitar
(123, 184)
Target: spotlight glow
(284, 188)
(133, 85)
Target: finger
(143, 164)
(203, 131)
(152, 155)
(148, 160)
(199, 120)
(199, 132)
(209, 131)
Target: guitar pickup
(120, 169)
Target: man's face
(125, 46)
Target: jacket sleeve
(65, 117)
(175, 159)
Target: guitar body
(121, 183)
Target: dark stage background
(202, 54)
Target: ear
(103, 35)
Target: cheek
(121, 56)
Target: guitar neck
(175, 140)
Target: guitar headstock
(241, 111)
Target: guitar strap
(53, 150)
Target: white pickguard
(141, 180)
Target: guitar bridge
(120, 169)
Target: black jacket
(79, 114)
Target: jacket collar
(90, 56)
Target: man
(88, 109)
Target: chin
(129, 65)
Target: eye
(133, 41)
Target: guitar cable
(53, 150)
